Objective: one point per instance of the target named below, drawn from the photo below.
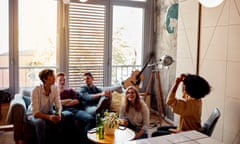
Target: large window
(37, 39)
(86, 42)
(4, 45)
(28, 30)
(106, 37)
(127, 41)
(109, 38)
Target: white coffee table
(120, 136)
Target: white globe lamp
(210, 3)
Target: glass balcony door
(127, 41)
(37, 39)
(4, 44)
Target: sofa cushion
(26, 92)
(27, 100)
(116, 101)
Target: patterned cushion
(116, 101)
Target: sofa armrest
(16, 116)
(103, 104)
(117, 88)
(17, 108)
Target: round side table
(120, 136)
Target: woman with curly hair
(189, 107)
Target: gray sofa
(23, 131)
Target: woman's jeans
(163, 130)
(132, 127)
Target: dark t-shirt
(69, 93)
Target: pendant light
(210, 3)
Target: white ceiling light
(68, 1)
(83, 0)
(210, 3)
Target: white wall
(219, 60)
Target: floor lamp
(165, 61)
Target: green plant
(111, 119)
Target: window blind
(86, 29)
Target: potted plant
(111, 122)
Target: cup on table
(123, 122)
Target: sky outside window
(128, 28)
(4, 41)
(37, 31)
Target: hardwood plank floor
(6, 137)
(6, 134)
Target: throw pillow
(116, 101)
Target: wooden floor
(6, 134)
(6, 137)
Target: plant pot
(109, 131)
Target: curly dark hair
(196, 86)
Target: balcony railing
(28, 75)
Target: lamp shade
(210, 3)
(166, 60)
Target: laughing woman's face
(131, 95)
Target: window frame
(60, 56)
(147, 36)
